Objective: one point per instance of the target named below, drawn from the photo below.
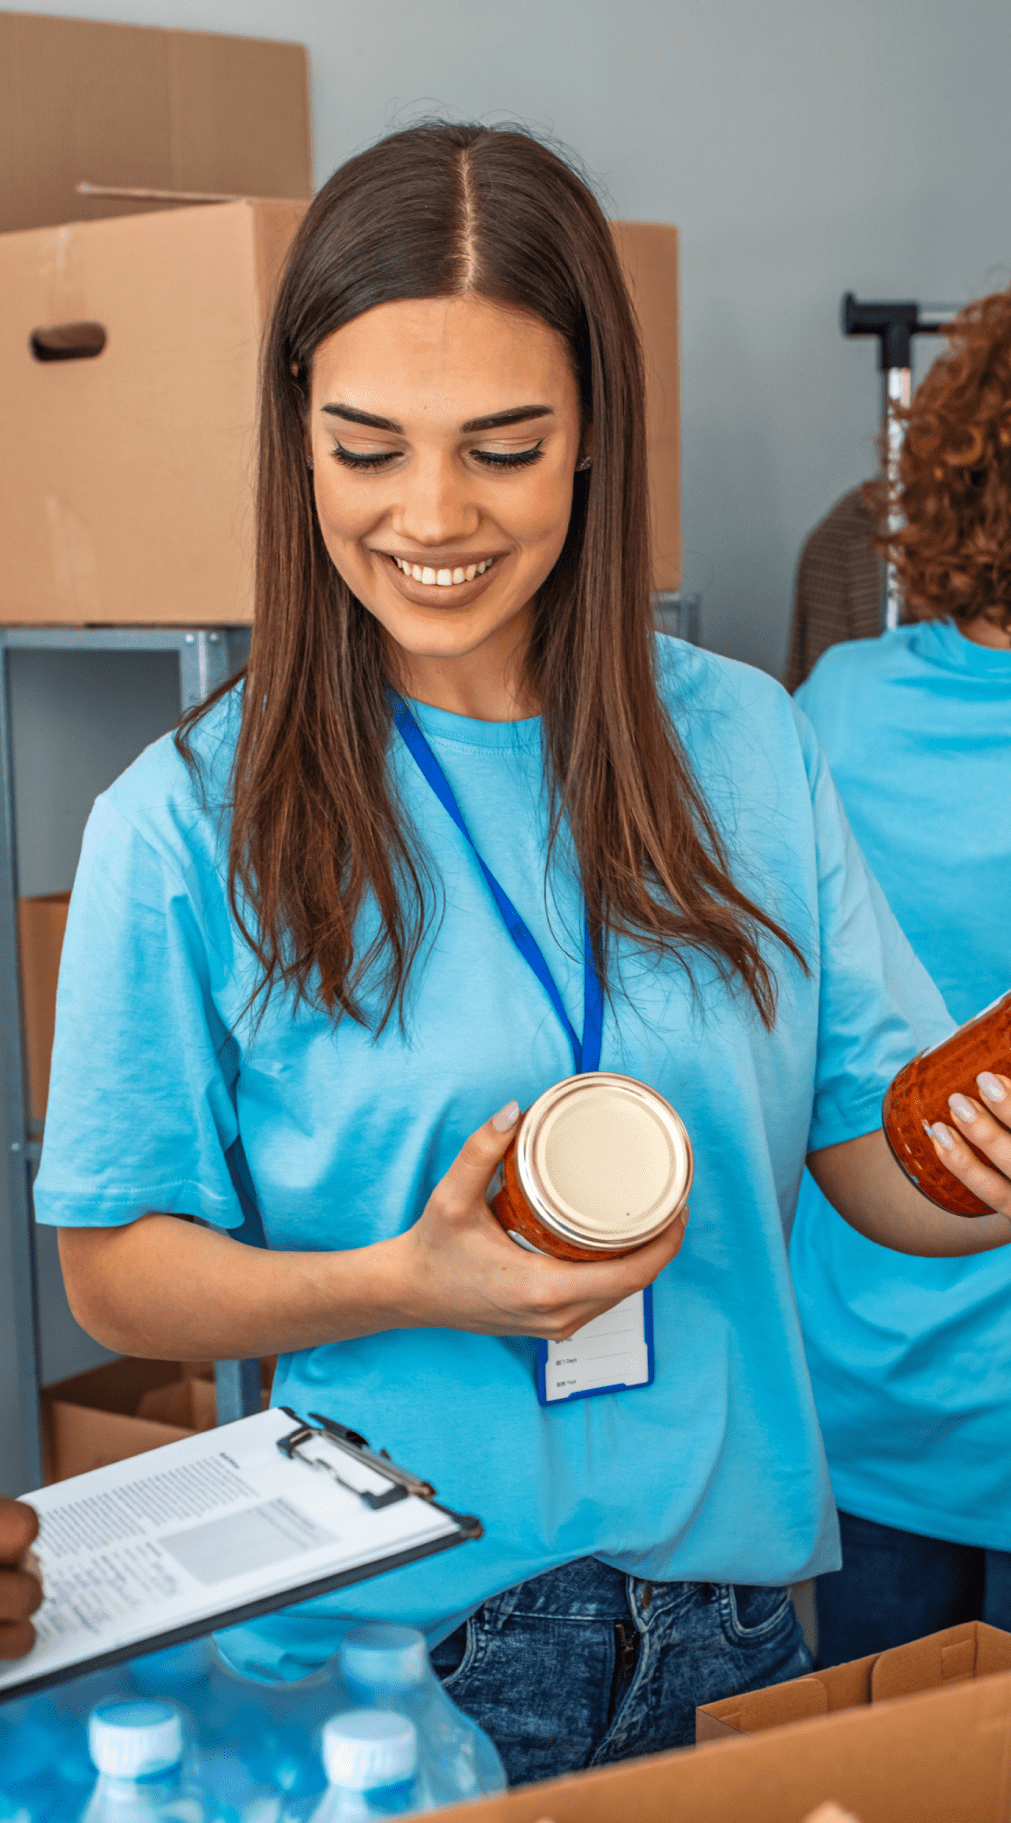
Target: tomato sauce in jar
(919, 1096)
(599, 1165)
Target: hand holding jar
(947, 1125)
(948, 1114)
(456, 1268)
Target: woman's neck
(486, 685)
(986, 632)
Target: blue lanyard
(585, 1053)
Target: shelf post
(16, 1212)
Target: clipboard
(217, 1529)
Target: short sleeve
(877, 1006)
(141, 1112)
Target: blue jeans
(585, 1665)
(896, 1586)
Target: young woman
(911, 1359)
(286, 981)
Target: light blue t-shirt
(911, 1358)
(716, 1472)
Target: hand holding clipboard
(20, 1584)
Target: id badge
(613, 1354)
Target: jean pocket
(751, 1614)
(453, 1675)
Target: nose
(435, 504)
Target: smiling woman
(454, 521)
(443, 286)
(467, 824)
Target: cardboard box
(126, 474)
(121, 1410)
(971, 1651)
(127, 105)
(41, 924)
(941, 1757)
(127, 1407)
(126, 494)
(649, 255)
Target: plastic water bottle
(371, 1762)
(388, 1666)
(138, 1749)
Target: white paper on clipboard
(212, 1530)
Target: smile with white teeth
(442, 579)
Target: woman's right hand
(457, 1269)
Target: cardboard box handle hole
(67, 342)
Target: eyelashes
(347, 460)
(521, 459)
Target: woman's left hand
(862, 1181)
(987, 1123)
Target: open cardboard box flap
(970, 1651)
(937, 1757)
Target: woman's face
(444, 436)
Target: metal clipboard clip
(297, 1444)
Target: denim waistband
(587, 1589)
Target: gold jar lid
(604, 1160)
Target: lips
(442, 577)
(443, 590)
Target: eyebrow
(496, 420)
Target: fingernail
(506, 1117)
(961, 1108)
(940, 1132)
(990, 1087)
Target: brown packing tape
(942, 1757)
(143, 108)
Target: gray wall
(803, 147)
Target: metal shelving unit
(679, 615)
(206, 657)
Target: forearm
(869, 1190)
(169, 1289)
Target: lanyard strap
(585, 1054)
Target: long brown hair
(316, 830)
(953, 553)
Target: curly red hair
(953, 554)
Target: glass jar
(919, 1096)
(600, 1164)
